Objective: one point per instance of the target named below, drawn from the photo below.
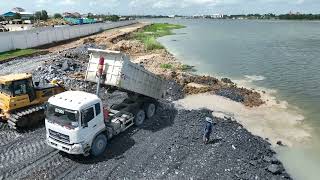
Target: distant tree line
(41, 15)
(300, 16)
(252, 16)
(57, 16)
(273, 16)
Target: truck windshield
(62, 116)
(7, 89)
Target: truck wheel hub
(151, 110)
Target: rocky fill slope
(168, 146)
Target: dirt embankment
(183, 74)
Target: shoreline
(191, 83)
(257, 101)
(234, 152)
(163, 63)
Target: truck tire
(99, 145)
(150, 109)
(140, 117)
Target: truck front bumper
(70, 149)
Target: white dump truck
(78, 123)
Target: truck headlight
(77, 148)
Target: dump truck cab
(73, 119)
(77, 123)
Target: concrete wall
(18, 27)
(41, 36)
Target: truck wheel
(99, 145)
(150, 110)
(140, 117)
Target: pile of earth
(183, 75)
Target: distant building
(76, 14)
(9, 14)
(71, 15)
(217, 16)
(18, 10)
(123, 18)
(26, 15)
(67, 15)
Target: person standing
(207, 130)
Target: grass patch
(166, 66)
(16, 53)
(151, 43)
(186, 67)
(149, 34)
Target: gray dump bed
(122, 73)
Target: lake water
(280, 57)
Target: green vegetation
(112, 18)
(166, 66)
(16, 53)
(41, 15)
(57, 16)
(300, 16)
(291, 16)
(186, 67)
(17, 16)
(150, 33)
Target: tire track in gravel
(4, 126)
(53, 166)
(13, 160)
(27, 169)
(8, 136)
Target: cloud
(170, 4)
(105, 3)
(184, 7)
(162, 4)
(67, 2)
(42, 3)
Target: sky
(165, 7)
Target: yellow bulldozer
(22, 102)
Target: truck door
(91, 119)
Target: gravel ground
(168, 146)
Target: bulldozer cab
(18, 85)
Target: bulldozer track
(19, 154)
(18, 116)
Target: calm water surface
(279, 55)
